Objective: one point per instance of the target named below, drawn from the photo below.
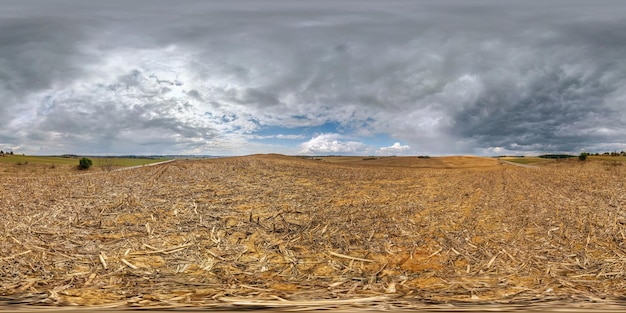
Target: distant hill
(557, 156)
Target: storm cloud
(314, 77)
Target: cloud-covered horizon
(399, 77)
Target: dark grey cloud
(33, 58)
(447, 76)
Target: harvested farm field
(271, 231)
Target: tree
(84, 163)
(583, 156)
(106, 164)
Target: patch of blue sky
(291, 136)
(270, 131)
(328, 127)
(273, 134)
(47, 105)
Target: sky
(340, 77)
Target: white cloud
(281, 136)
(396, 148)
(332, 143)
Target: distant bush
(106, 164)
(84, 163)
(583, 156)
(423, 157)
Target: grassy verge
(55, 165)
(607, 158)
(28, 159)
(525, 160)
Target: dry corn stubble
(277, 231)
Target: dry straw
(279, 232)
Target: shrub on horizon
(84, 163)
(583, 156)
